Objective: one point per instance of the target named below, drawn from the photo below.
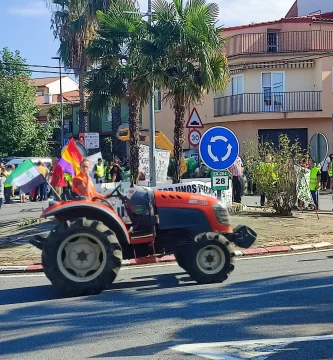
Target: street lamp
(61, 101)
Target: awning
(234, 69)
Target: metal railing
(280, 42)
(268, 102)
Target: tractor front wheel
(81, 257)
(210, 258)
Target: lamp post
(152, 127)
(61, 101)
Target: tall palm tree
(122, 68)
(74, 24)
(191, 56)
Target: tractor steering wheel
(116, 190)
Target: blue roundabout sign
(219, 148)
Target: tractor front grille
(221, 214)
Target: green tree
(121, 70)
(272, 170)
(190, 59)
(18, 126)
(74, 24)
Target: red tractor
(82, 255)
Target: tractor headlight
(221, 214)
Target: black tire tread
(112, 266)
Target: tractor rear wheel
(210, 258)
(81, 257)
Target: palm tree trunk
(134, 126)
(83, 114)
(178, 137)
(117, 145)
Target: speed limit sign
(194, 137)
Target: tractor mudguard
(91, 210)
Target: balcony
(280, 42)
(269, 102)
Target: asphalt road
(151, 309)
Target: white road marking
(242, 350)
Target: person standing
(2, 184)
(108, 168)
(99, 171)
(324, 166)
(8, 187)
(315, 179)
(57, 181)
(116, 172)
(236, 172)
(268, 168)
(41, 188)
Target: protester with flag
(26, 176)
(71, 158)
(58, 180)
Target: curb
(280, 249)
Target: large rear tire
(81, 257)
(210, 258)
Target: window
(39, 93)
(109, 115)
(272, 42)
(158, 100)
(237, 91)
(273, 91)
(237, 85)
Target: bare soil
(271, 230)
(301, 228)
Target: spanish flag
(71, 158)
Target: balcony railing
(268, 102)
(280, 42)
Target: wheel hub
(81, 258)
(210, 259)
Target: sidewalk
(33, 268)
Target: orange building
(280, 82)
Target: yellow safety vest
(100, 170)
(313, 178)
(330, 173)
(6, 175)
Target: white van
(20, 160)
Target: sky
(25, 24)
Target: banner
(161, 163)
(303, 185)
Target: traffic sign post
(194, 137)
(318, 147)
(220, 180)
(218, 149)
(319, 151)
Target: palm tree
(74, 24)
(122, 68)
(191, 56)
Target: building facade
(280, 82)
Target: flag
(71, 158)
(26, 176)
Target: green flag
(26, 176)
